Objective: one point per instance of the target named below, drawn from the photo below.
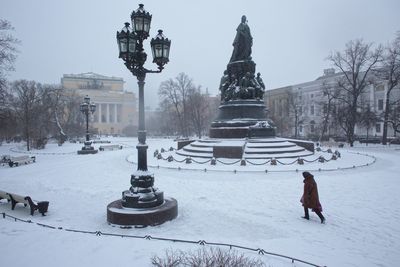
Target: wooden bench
(109, 147)
(16, 161)
(41, 206)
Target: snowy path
(251, 209)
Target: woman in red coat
(310, 197)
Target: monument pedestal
(142, 204)
(87, 149)
(241, 119)
(128, 217)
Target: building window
(301, 128)
(378, 128)
(380, 104)
(312, 126)
(312, 109)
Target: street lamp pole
(87, 107)
(142, 194)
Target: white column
(108, 113)
(115, 113)
(99, 113)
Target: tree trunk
(385, 120)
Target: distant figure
(310, 197)
(242, 43)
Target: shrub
(205, 258)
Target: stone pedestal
(142, 204)
(241, 119)
(119, 215)
(87, 149)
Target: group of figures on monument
(246, 87)
(239, 80)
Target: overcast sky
(291, 38)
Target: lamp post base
(128, 217)
(87, 149)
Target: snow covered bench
(109, 147)
(5, 159)
(4, 195)
(41, 206)
(16, 161)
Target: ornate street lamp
(142, 195)
(87, 107)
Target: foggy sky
(291, 39)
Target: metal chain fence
(260, 251)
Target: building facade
(301, 110)
(116, 112)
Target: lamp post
(142, 194)
(87, 107)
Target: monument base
(87, 149)
(118, 215)
(242, 119)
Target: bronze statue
(242, 43)
(260, 81)
(224, 84)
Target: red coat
(310, 198)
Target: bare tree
(8, 51)
(69, 116)
(199, 110)
(294, 108)
(356, 64)
(32, 105)
(330, 93)
(394, 117)
(8, 54)
(174, 92)
(368, 119)
(390, 72)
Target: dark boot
(306, 215)
(320, 216)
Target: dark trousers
(307, 215)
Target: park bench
(41, 206)
(5, 159)
(101, 142)
(109, 147)
(16, 161)
(4, 195)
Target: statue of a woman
(242, 43)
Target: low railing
(260, 251)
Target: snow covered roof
(91, 76)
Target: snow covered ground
(249, 207)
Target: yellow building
(115, 108)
